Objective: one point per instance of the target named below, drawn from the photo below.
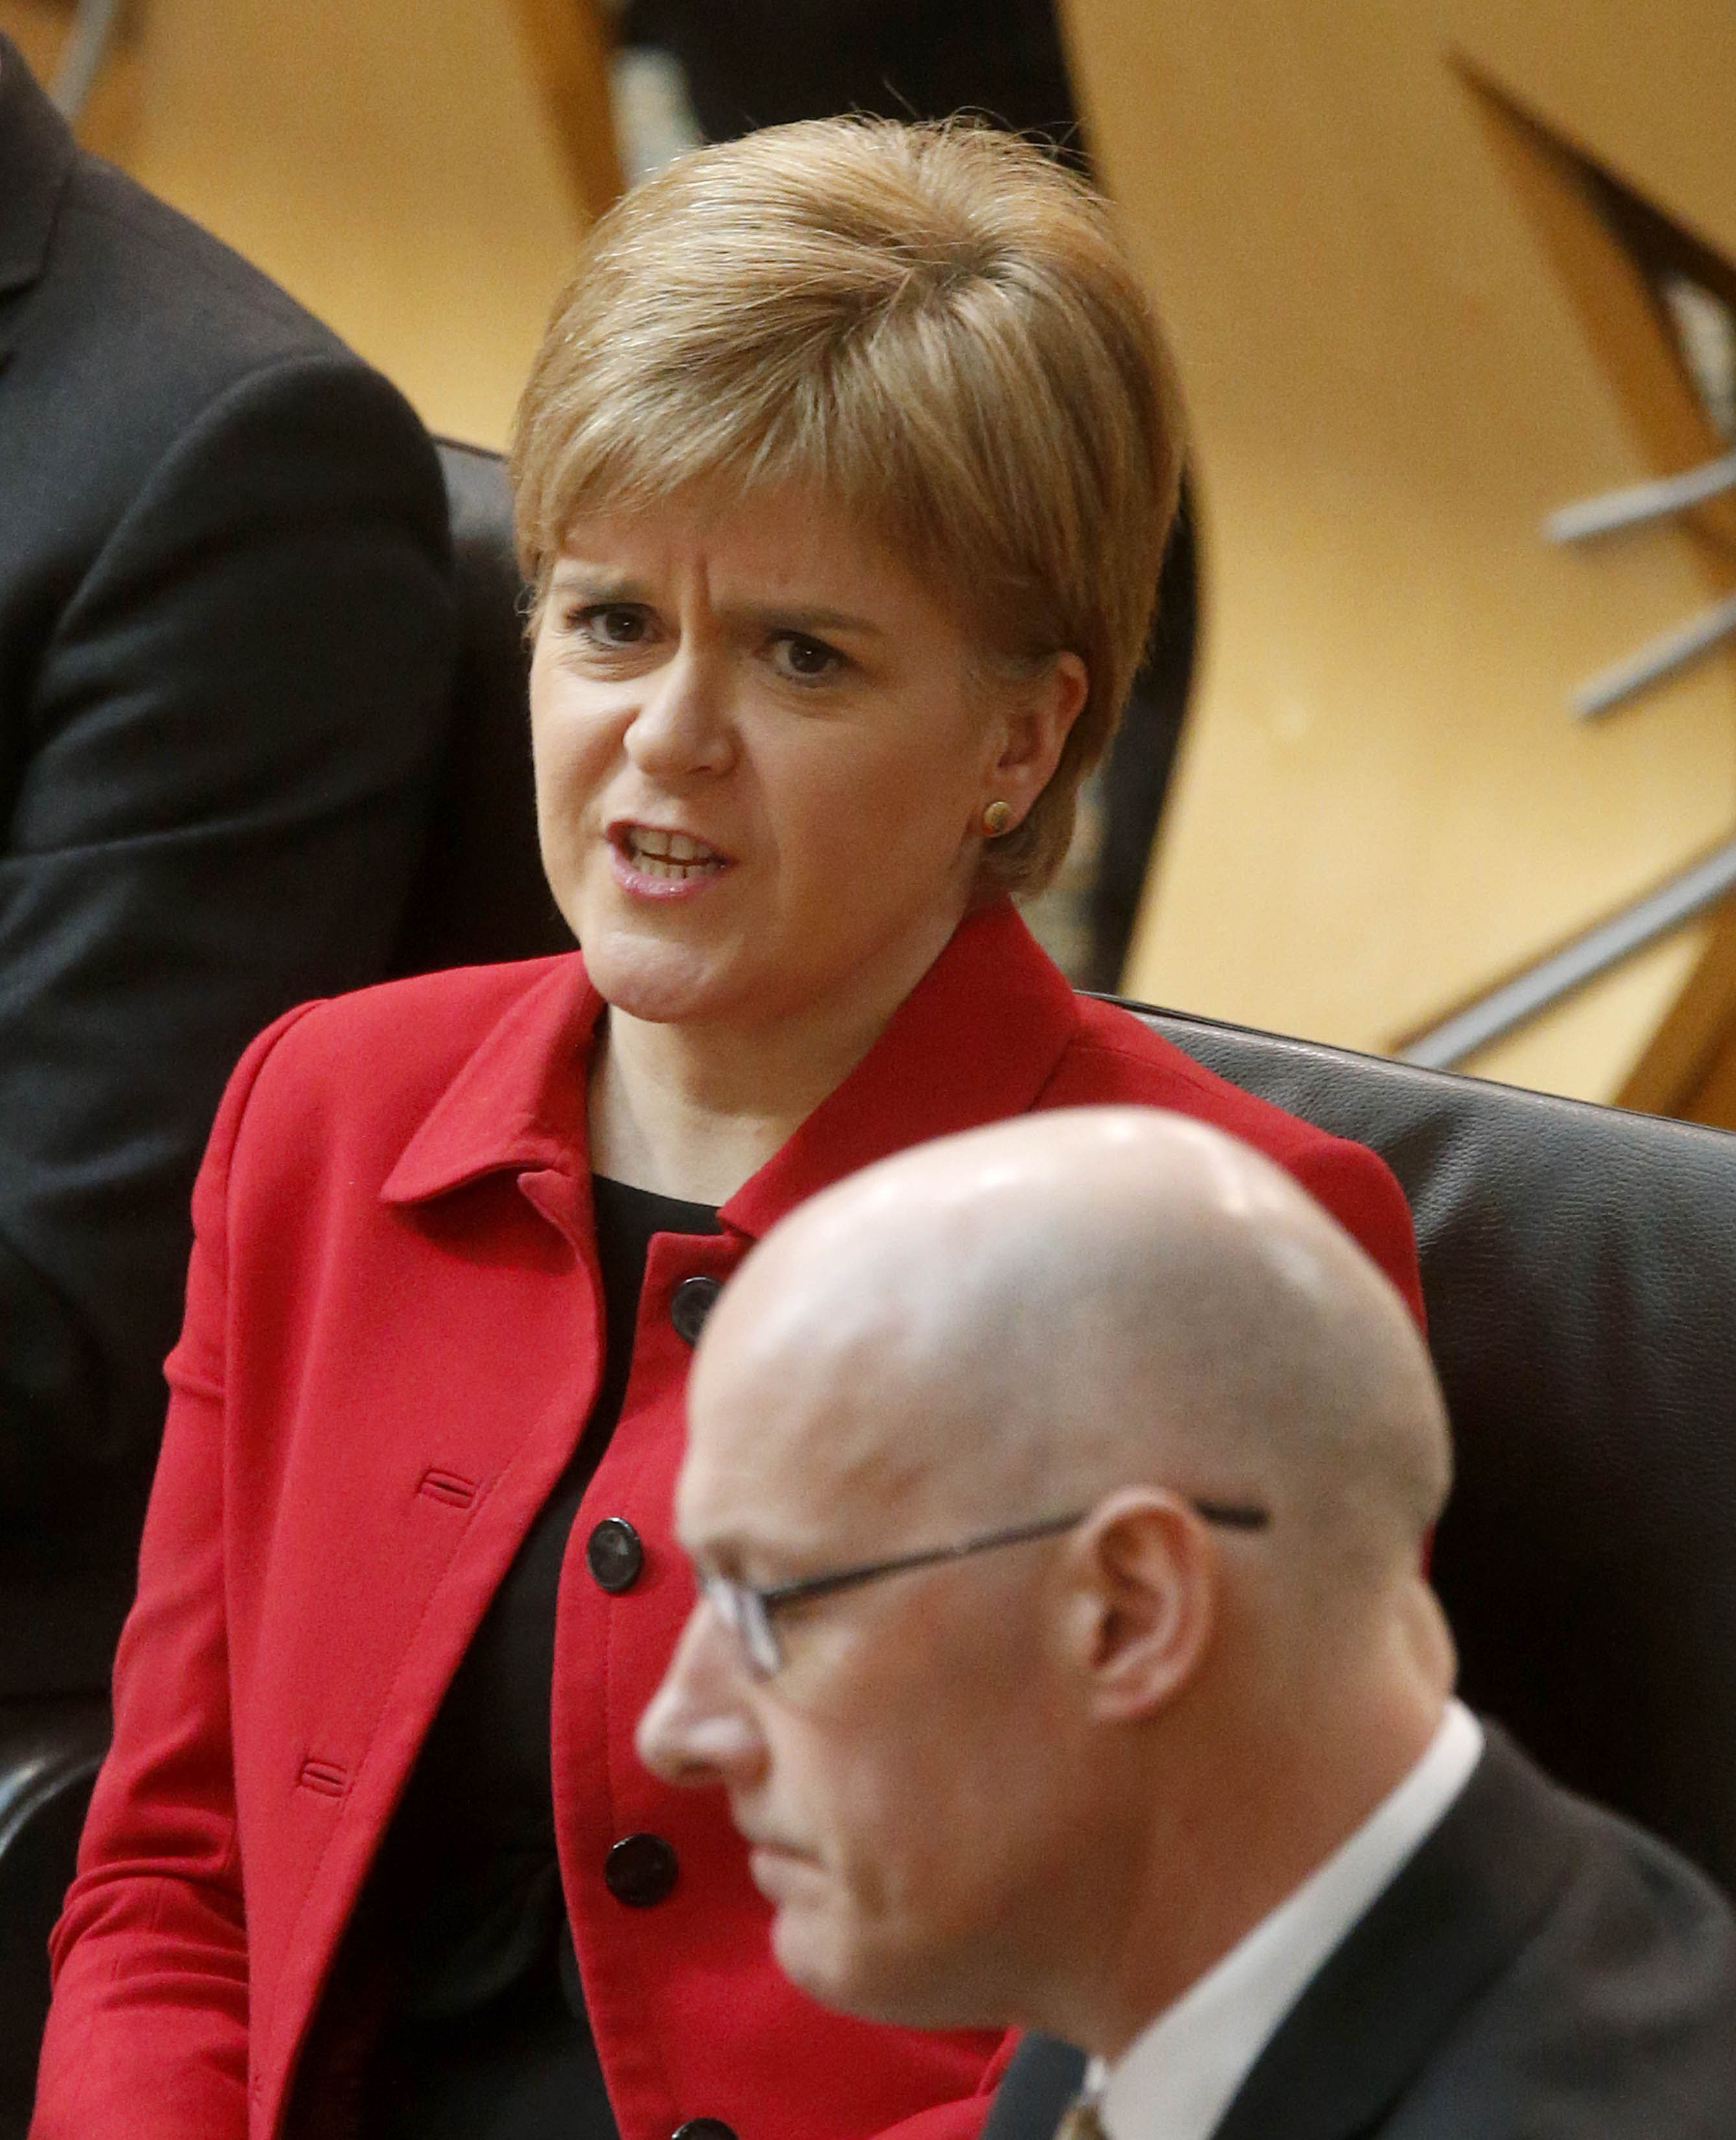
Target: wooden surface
(568, 44)
(110, 123)
(1404, 335)
(416, 176)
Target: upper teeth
(671, 847)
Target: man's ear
(1036, 721)
(1144, 1570)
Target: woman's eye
(805, 660)
(610, 625)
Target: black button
(613, 1554)
(691, 1303)
(639, 1870)
(704, 2129)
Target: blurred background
(1421, 763)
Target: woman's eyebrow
(597, 583)
(796, 616)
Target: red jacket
(392, 1340)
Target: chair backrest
(481, 894)
(50, 1751)
(1579, 1264)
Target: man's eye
(805, 660)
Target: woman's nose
(681, 725)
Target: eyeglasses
(748, 1612)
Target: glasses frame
(747, 1609)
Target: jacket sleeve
(147, 2036)
(1362, 1193)
(230, 744)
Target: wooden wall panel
(395, 166)
(1645, 89)
(110, 123)
(1383, 804)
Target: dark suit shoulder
(114, 234)
(1538, 1970)
(140, 323)
(1616, 2018)
(137, 325)
(77, 237)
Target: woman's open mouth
(664, 858)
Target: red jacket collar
(975, 1041)
(519, 1099)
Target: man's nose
(681, 724)
(697, 1730)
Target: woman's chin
(659, 983)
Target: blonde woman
(843, 479)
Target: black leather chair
(1580, 1269)
(49, 1755)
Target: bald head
(1077, 1468)
(1026, 1316)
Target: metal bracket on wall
(1680, 899)
(1657, 659)
(1640, 501)
(86, 47)
(1636, 507)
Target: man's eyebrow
(724, 1552)
(717, 1551)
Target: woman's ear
(1144, 1572)
(1032, 731)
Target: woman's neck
(692, 1109)
(663, 1118)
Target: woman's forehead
(785, 542)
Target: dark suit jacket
(225, 677)
(1539, 1970)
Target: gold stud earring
(996, 818)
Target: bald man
(1058, 1494)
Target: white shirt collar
(1179, 2076)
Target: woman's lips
(657, 863)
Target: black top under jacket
(485, 2037)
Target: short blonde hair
(934, 323)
